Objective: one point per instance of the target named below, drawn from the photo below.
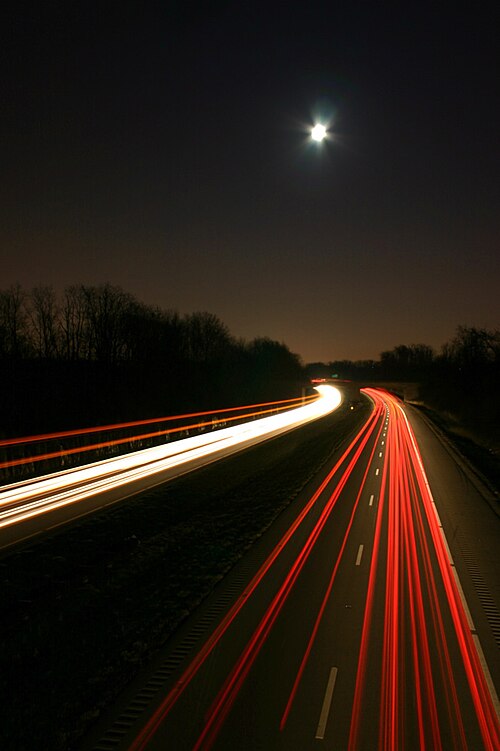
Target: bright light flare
(318, 133)
(25, 500)
(223, 418)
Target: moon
(318, 133)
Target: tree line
(461, 378)
(96, 353)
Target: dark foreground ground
(84, 609)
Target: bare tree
(472, 346)
(106, 309)
(43, 312)
(14, 340)
(152, 334)
(74, 326)
(272, 360)
(207, 338)
(407, 361)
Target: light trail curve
(122, 476)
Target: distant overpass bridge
(406, 390)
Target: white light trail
(22, 501)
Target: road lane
(247, 634)
(30, 508)
(329, 646)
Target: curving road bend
(30, 508)
(351, 630)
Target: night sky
(163, 147)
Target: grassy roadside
(482, 453)
(84, 609)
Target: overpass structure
(407, 391)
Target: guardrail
(32, 456)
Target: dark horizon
(166, 150)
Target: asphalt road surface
(366, 618)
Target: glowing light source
(27, 499)
(318, 133)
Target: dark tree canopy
(97, 354)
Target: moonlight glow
(318, 133)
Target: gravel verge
(483, 456)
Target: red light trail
(409, 582)
(228, 693)
(258, 410)
(29, 507)
(412, 663)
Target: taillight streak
(414, 541)
(452, 703)
(365, 633)
(191, 671)
(329, 587)
(481, 697)
(390, 699)
(227, 696)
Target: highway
(32, 507)
(354, 624)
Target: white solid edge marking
(327, 701)
(487, 674)
(448, 551)
(475, 637)
(437, 514)
(360, 553)
(371, 500)
(462, 597)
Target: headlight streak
(137, 462)
(130, 439)
(137, 423)
(168, 703)
(62, 489)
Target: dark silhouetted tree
(472, 347)
(207, 338)
(43, 313)
(14, 335)
(106, 309)
(74, 324)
